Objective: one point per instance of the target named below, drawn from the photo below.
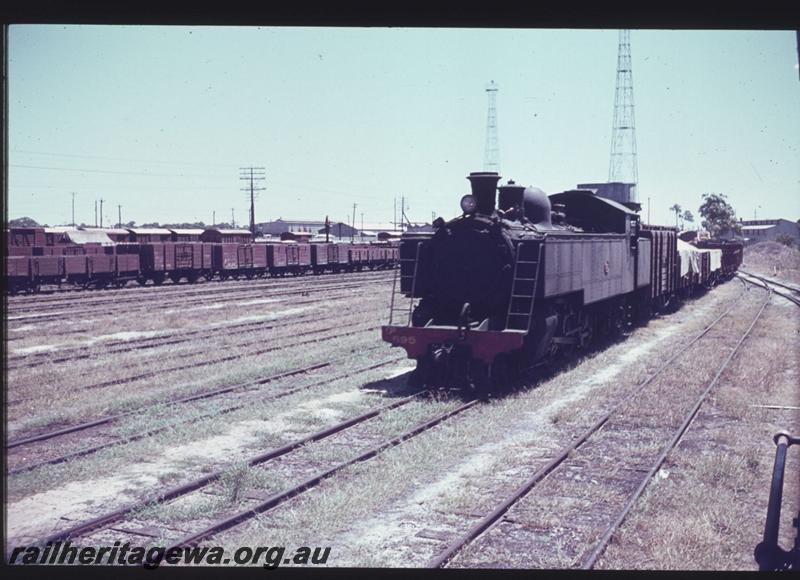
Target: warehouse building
(769, 230)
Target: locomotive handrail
(768, 554)
(414, 283)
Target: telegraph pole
(251, 175)
(101, 211)
(362, 225)
(214, 218)
(394, 223)
(73, 208)
(403, 218)
(353, 232)
(327, 228)
(95, 213)
(119, 216)
(233, 219)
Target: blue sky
(160, 119)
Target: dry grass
(773, 259)
(709, 513)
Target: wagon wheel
(120, 283)
(208, 276)
(141, 281)
(158, 280)
(249, 274)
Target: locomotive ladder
(523, 288)
(396, 291)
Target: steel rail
(125, 440)
(281, 497)
(53, 296)
(488, 521)
(50, 314)
(773, 281)
(83, 352)
(183, 489)
(228, 358)
(179, 401)
(767, 283)
(604, 540)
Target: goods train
(103, 258)
(522, 278)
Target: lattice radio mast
(623, 165)
(492, 159)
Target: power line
(112, 172)
(124, 159)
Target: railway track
(70, 354)
(791, 293)
(248, 388)
(204, 363)
(125, 308)
(84, 529)
(16, 304)
(569, 460)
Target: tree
(677, 209)
(719, 217)
(786, 240)
(687, 216)
(23, 222)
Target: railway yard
(269, 412)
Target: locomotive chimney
(484, 190)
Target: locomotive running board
(484, 344)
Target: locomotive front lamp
(468, 203)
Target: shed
(82, 237)
(150, 235)
(57, 236)
(118, 234)
(216, 235)
(186, 235)
(25, 236)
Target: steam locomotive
(523, 278)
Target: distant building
(281, 226)
(769, 230)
